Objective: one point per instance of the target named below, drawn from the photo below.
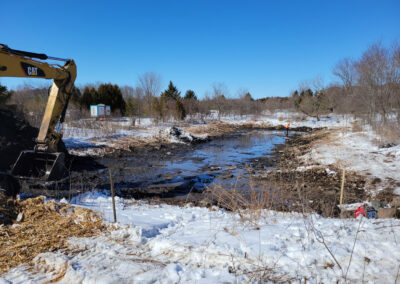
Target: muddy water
(226, 161)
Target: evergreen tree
(171, 92)
(190, 95)
(89, 97)
(180, 109)
(75, 96)
(107, 94)
(248, 97)
(111, 95)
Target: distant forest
(367, 87)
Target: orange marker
(287, 130)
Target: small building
(214, 113)
(100, 110)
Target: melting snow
(169, 244)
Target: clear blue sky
(267, 47)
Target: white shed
(100, 110)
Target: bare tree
(396, 54)
(150, 83)
(377, 78)
(127, 92)
(346, 71)
(220, 91)
(245, 102)
(396, 77)
(345, 97)
(138, 95)
(31, 100)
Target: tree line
(143, 100)
(368, 87)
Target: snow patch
(192, 244)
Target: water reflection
(221, 161)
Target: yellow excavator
(47, 160)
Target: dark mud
(188, 172)
(172, 172)
(315, 189)
(15, 135)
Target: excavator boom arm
(16, 63)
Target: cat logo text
(32, 71)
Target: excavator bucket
(40, 165)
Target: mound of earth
(15, 135)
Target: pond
(225, 161)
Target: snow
(170, 244)
(360, 152)
(281, 118)
(97, 142)
(95, 138)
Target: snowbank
(169, 244)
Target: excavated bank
(314, 188)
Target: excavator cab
(47, 161)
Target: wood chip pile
(40, 226)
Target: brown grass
(388, 134)
(217, 128)
(45, 227)
(250, 203)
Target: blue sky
(267, 47)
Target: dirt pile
(40, 227)
(15, 135)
